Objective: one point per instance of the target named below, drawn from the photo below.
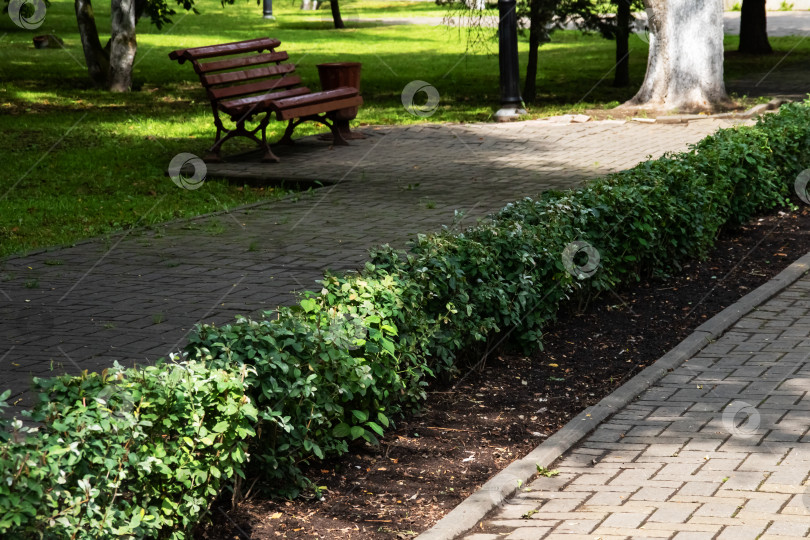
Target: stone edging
(504, 484)
(757, 110)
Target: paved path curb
(504, 484)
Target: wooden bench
(244, 82)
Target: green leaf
(317, 451)
(388, 345)
(383, 419)
(357, 432)
(390, 329)
(376, 428)
(361, 416)
(341, 430)
(309, 305)
(136, 519)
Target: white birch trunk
(122, 45)
(685, 64)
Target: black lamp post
(511, 102)
(268, 9)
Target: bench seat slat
(219, 94)
(318, 108)
(246, 75)
(244, 61)
(237, 107)
(316, 97)
(250, 45)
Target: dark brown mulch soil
(471, 430)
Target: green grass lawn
(77, 162)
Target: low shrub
(348, 359)
(135, 453)
(325, 373)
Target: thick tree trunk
(338, 20)
(95, 57)
(621, 76)
(140, 9)
(123, 45)
(685, 63)
(754, 28)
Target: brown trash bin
(335, 75)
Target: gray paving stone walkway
(780, 23)
(717, 449)
(134, 297)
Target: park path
(780, 23)
(718, 449)
(134, 297)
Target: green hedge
(135, 453)
(345, 361)
(143, 452)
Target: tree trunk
(338, 20)
(754, 28)
(535, 32)
(541, 12)
(122, 45)
(621, 76)
(98, 65)
(685, 63)
(140, 8)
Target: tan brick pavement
(717, 449)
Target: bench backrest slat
(244, 61)
(252, 45)
(253, 88)
(246, 75)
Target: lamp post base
(509, 113)
(267, 10)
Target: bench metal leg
(269, 156)
(214, 154)
(337, 136)
(345, 131)
(287, 137)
